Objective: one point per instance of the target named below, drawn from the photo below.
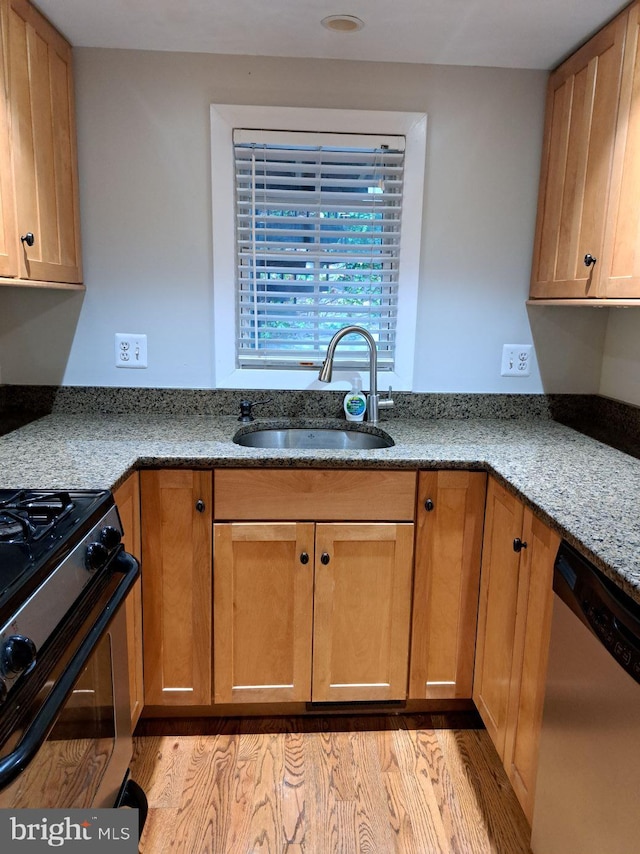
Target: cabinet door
(582, 102)
(362, 608)
(127, 498)
(530, 654)
(621, 262)
(8, 236)
(263, 611)
(447, 576)
(176, 586)
(497, 611)
(43, 141)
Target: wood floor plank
(208, 788)
(159, 834)
(474, 760)
(329, 827)
(161, 767)
(327, 785)
(294, 792)
(266, 826)
(458, 810)
(372, 815)
(420, 796)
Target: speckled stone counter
(587, 491)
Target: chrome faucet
(373, 398)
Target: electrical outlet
(131, 350)
(516, 360)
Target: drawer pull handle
(304, 558)
(589, 260)
(324, 558)
(518, 545)
(28, 238)
(200, 506)
(428, 505)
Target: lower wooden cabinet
(176, 586)
(322, 611)
(127, 498)
(263, 611)
(362, 610)
(530, 657)
(282, 590)
(450, 517)
(514, 624)
(497, 611)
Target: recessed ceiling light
(342, 23)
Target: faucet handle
(245, 408)
(386, 402)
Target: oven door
(65, 737)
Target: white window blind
(318, 220)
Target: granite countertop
(587, 491)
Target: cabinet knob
(324, 558)
(589, 260)
(519, 544)
(28, 238)
(200, 506)
(304, 558)
(428, 505)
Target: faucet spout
(373, 402)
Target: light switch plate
(516, 360)
(131, 350)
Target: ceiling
(502, 33)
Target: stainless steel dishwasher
(589, 766)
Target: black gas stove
(52, 547)
(65, 718)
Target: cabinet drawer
(317, 494)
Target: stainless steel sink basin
(305, 438)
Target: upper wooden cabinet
(580, 124)
(620, 275)
(8, 243)
(40, 230)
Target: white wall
(621, 359)
(144, 151)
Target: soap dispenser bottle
(355, 403)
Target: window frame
(226, 117)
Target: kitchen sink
(305, 438)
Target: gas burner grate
(26, 515)
(14, 528)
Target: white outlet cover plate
(516, 360)
(130, 350)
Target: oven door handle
(36, 734)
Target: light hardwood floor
(422, 784)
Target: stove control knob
(96, 556)
(18, 653)
(110, 537)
